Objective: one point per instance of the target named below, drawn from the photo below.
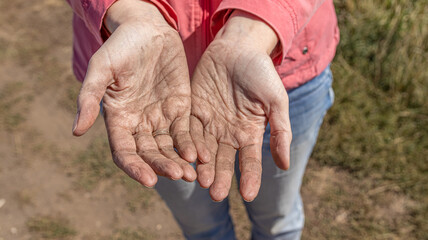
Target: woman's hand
(141, 75)
(235, 92)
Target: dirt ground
(56, 186)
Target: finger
(148, 150)
(123, 149)
(224, 168)
(197, 135)
(166, 148)
(206, 171)
(250, 165)
(136, 168)
(280, 135)
(182, 140)
(91, 93)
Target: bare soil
(56, 186)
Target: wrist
(132, 11)
(248, 30)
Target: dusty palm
(141, 75)
(235, 91)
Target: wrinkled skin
(140, 74)
(235, 92)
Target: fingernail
(249, 197)
(76, 119)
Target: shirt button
(305, 50)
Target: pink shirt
(307, 31)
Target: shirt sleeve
(286, 17)
(92, 13)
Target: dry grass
(369, 173)
(48, 227)
(378, 126)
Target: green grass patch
(95, 164)
(49, 227)
(139, 197)
(14, 101)
(378, 126)
(69, 98)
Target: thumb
(280, 134)
(91, 93)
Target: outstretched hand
(141, 75)
(235, 92)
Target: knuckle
(117, 158)
(225, 166)
(134, 172)
(252, 167)
(166, 148)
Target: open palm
(141, 75)
(235, 92)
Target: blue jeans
(277, 211)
